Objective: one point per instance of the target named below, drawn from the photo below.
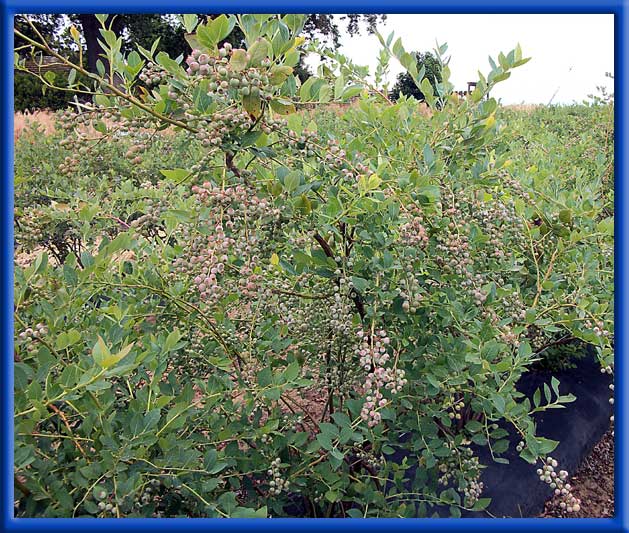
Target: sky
(570, 54)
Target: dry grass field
(22, 120)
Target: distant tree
(47, 25)
(404, 83)
(145, 29)
(327, 26)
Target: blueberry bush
(234, 307)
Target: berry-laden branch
(45, 48)
(229, 163)
(357, 299)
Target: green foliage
(146, 29)
(235, 306)
(30, 94)
(404, 83)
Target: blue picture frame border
(619, 8)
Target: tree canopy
(144, 29)
(404, 83)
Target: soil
(593, 484)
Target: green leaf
(524, 350)
(219, 28)
(554, 383)
(171, 340)
(252, 105)
(205, 38)
(351, 91)
(546, 446)
(292, 371)
(193, 41)
(606, 226)
(305, 91)
(339, 87)
(100, 68)
(279, 74)
(336, 458)
(565, 215)
(324, 440)
(360, 284)
(325, 93)
(429, 155)
(292, 181)
(282, 106)
(66, 339)
(239, 60)
(104, 358)
(50, 76)
(431, 192)
(190, 22)
(501, 446)
(427, 90)
(100, 352)
(176, 174)
(499, 403)
(481, 504)
(473, 426)
(258, 51)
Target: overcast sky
(570, 53)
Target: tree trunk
(91, 33)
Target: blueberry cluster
(278, 483)
(341, 311)
(155, 209)
(368, 457)
(220, 127)
(558, 481)
(509, 336)
(599, 328)
(139, 134)
(413, 233)
(472, 492)
(105, 504)
(266, 438)
(224, 78)
(302, 142)
(461, 464)
(350, 175)
(516, 186)
(373, 355)
(455, 414)
(152, 74)
(454, 247)
(335, 156)
(233, 213)
(31, 334)
(409, 289)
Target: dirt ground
(593, 483)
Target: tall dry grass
(44, 118)
(526, 108)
